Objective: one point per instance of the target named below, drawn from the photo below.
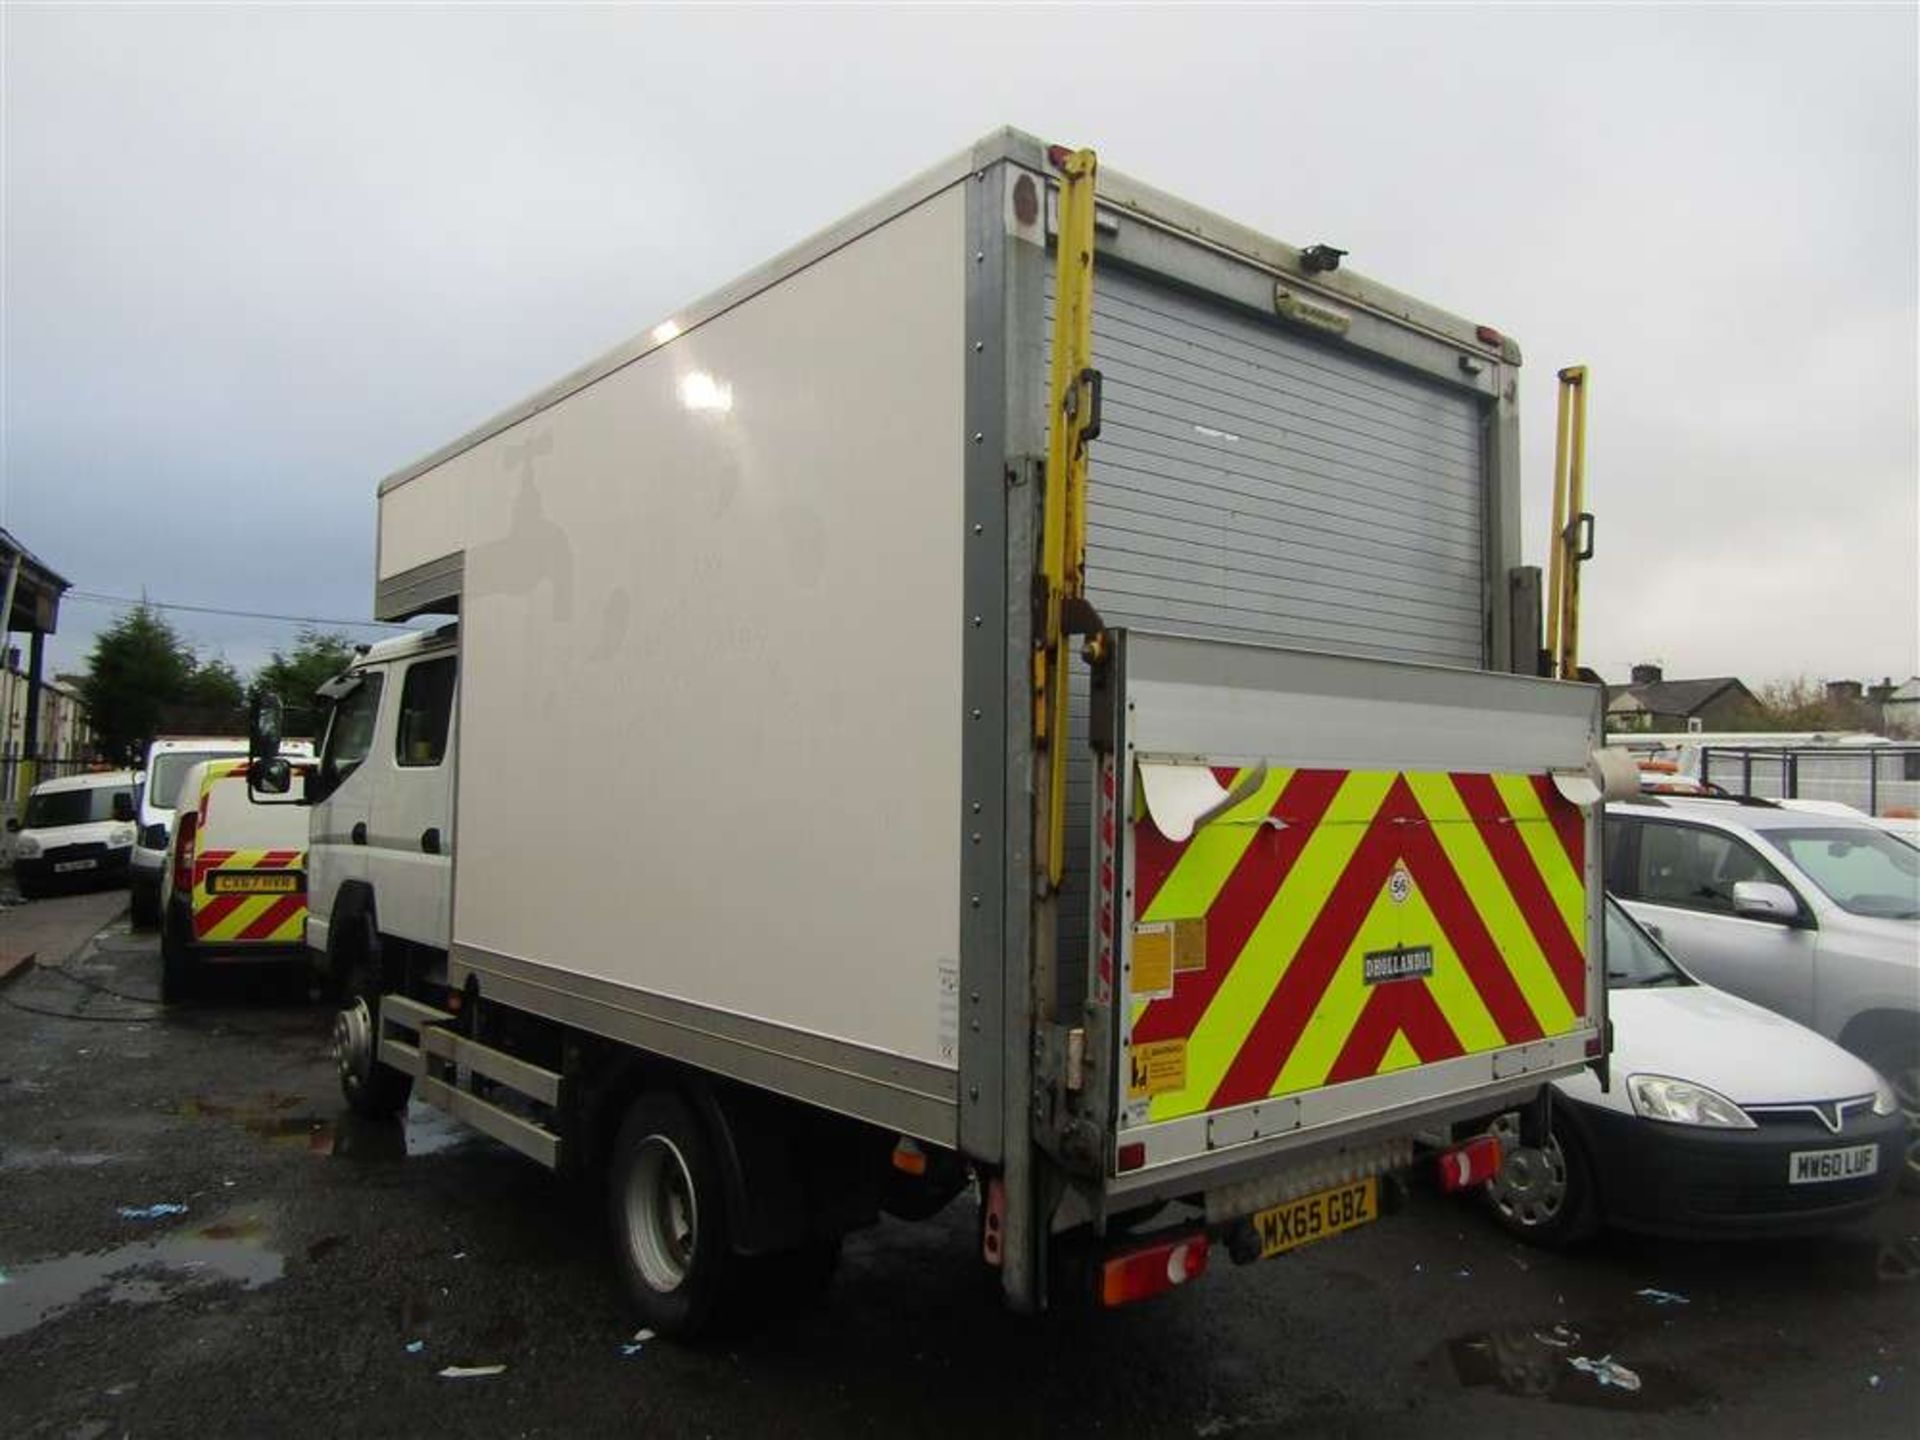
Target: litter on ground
(1662, 1297)
(471, 1372)
(151, 1212)
(1607, 1370)
(414, 1347)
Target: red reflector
(1596, 1047)
(183, 836)
(1473, 1163)
(1132, 1156)
(1152, 1271)
(1487, 335)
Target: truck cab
(381, 796)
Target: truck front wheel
(372, 1089)
(668, 1210)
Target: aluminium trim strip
(891, 1091)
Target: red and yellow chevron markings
(1467, 891)
(223, 916)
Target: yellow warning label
(1189, 945)
(1156, 1068)
(1152, 960)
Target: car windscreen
(163, 780)
(1633, 960)
(1864, 871)
(51, 809)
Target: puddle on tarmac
(143, 1273)
(20, 1157)
(422, 1131)
(1536, 1362)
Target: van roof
(91, 780)
(165, 743)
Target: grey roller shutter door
(1255, 483)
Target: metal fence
(19, 775)
(1876, 779)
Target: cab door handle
(430, 840)
(359, 832)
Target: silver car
(1814, 916)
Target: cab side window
(426, 711)
(1692, 867)
(350, 731)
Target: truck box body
(746, 756)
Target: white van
(167, 762)
(235, 887)
(76, 831)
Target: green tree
(1804, 705)
(138, 666)
(213, 702)
(317, 656)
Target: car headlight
(26, 848)
(1885, 1102)
(1681, 1102)
(120, 839)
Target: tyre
(370, 1088)
(179, 970)
(1901, 1066)
(667, 1204)
(1545, 1194)
(144, 907)
(29, 889)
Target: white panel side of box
(712, 711)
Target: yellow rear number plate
(1317, 1216)
(253, 882)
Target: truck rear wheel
(667, 1204)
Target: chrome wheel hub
(353, 1042)
(662, 1215)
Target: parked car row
(222, 877)
(1766, 1082)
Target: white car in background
(77, 831)
(1721, 1120)
(1812, 914)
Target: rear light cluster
(1471, 1164)
(183, 835)
(1154, 1270)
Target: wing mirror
(123, 808)
(267, 773)
(1764, 900)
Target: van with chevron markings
(235, 885)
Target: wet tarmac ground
(196, 1240)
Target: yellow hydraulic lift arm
(1572, 526)
(1073, 420)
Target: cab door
(339, 830)
(412, 852)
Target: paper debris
(414, 1347)
(471, 1372)
(151, 1212)
(1662, 1297)
(1607, 1370)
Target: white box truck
(739, 836)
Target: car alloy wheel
(1531, 1190)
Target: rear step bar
(443, 1066)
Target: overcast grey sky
(257, 258)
